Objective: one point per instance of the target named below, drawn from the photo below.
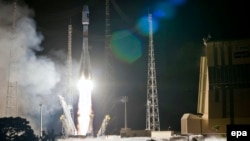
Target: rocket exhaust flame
(84, 84)
(85, 87)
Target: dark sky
(177, 42)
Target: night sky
(181, 25)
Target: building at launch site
(224, 88)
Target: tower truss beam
(152, 114)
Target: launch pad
(85, 112)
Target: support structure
(125, 100)
(107, 67)
(11, 107)
(107, 24)
(41, 119)
(69, 73)
(69, 63)
(67, 121)
(152, 114)
(102, 130)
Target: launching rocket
(85, 111)
(85, 68)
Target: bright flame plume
(85, 87)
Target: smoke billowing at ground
(37, 77)
(117, 138)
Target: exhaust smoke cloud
(37, 77)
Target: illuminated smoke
(84, 105)
(36, 76)
(117, 138)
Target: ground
(118, 138)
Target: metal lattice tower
(69, 63)
(11, 107)
(69, 66)
(152, 114)
(107, 24)
(69, 73)
(107, 38)
(108, 57)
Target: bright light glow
(84, 84)
(85, 87)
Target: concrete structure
(134, 133)
(146, 133)
(224, 88)
(161, 134)
(188, 122)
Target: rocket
(85, 110)
(85, 68)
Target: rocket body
(85, 15)
(85, 69)
(85, 112)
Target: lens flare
(142, 25)
(165, 10)
(126, 46)
(85, 87)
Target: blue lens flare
(143, 25)
(165, 10)
(178, 2)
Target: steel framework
(152, 114)
(11, 107)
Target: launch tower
(11, 107)
(69, 66)
(108, 59)
(152, 114)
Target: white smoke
(108, 138)
(36, 77)
(214, 138)
(118, 138)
